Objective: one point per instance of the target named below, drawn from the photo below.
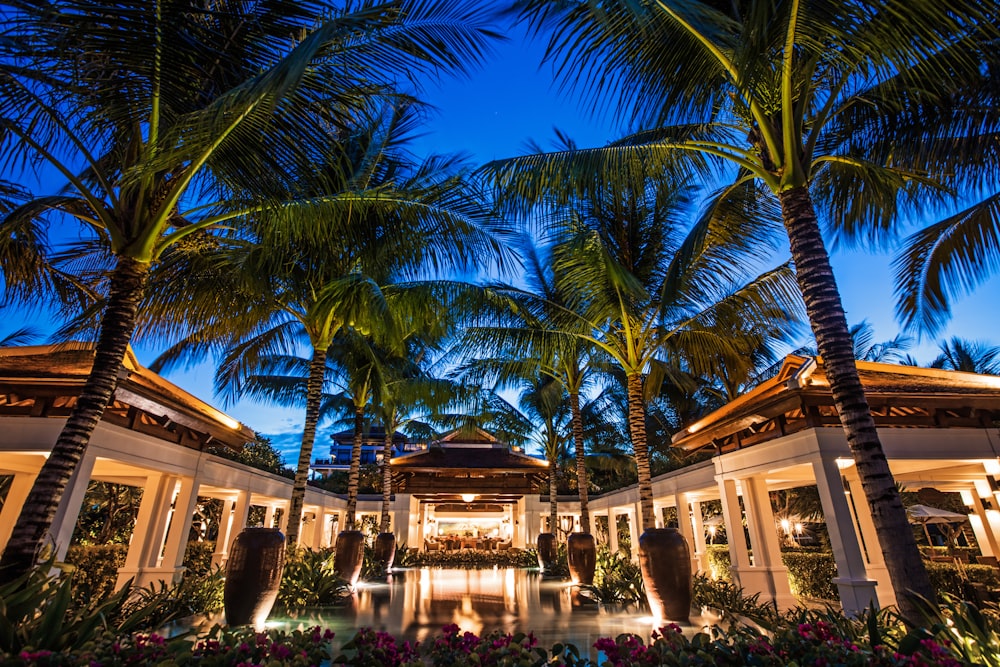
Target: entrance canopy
(450, 472)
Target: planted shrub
(719, 564)
(96, 569)
(617, 580)
(308, 580)
(950, 578)
(811, 574)
(475, 559)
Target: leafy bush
(308, 580)
(37, 611)
(475, 559)
(950, 578)
(810, 570)
(811, 574)
(719, 564)
(730, 599)
(96, 570)
(198, 558)
(617, 580)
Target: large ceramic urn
(581, 556)
(349, 556)
(665, 561)
(546, 551)
(253, 576)
(385, 551)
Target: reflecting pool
(416, 603)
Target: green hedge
(811, 574)
(946, 578)
(719, 564)
(97, 565)
(96, 569)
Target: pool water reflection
(417, 603)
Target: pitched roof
(800, 397)
(44, 380)
(440, 459)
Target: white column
(857, 590)
(686, 527)
(319, 529)
(520, 521)
(269, 516)
(987, 539)
(225, 530)
(613, 531)
(990, 514)
(172, 565)
(18, 492)
(766, 547)
(283, 523)
(633, 531)
(69, 507)
(241, 512)
(700, 549)
(146, 542)
(739, 555)
(870, 547)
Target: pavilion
(938, 429)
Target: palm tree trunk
(314, 394)
(581, 462)
(553, 499)
(829, 324)
(354, 476)
(637, 431)
(117, 327)
(383, 526)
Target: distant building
(372, 446)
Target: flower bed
(816, 643)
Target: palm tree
(525, 335)
(851, 102)
(641, 287)
(968, 356)
(144, 106)
(951, 257)
(543, 403)
(309, 286)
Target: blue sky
(492, 114)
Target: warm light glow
(844, 462)
(229, 422)
(992, 467)
(468, 497)
(785, 525)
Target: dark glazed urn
(581, 556)
(665, 561)
(253, 575)
(349, 556)
(546, 551)
(385, 550)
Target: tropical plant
(335, 281)
(172, 118)
(641, 286)
(524, 336)
(309, 580)
(858, 105)
(969, 356)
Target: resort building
(470, 491)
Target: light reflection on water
(417, 603)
